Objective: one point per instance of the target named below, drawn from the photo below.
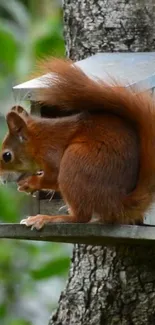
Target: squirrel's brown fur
(101, 159)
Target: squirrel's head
(15, 154)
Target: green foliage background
(31, 274)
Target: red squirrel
(101, 158)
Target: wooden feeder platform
(89, 234)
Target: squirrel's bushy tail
(69, 88)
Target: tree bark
(108, 286)
(92, 26)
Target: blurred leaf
(5, 253)
(12, 29)
(9, 205)
(2, 310)
(8, 52)
(17, 11)
(48, 38)
(3, 128)
(50, 45)
(53, 268)
(19, 322)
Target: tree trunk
(108, 286)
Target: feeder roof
(131, 69)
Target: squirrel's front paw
(36, 222)
(29, 185)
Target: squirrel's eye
(7, 156)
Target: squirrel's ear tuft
(17, 125)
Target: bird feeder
(132, 70)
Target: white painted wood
(136, 69)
